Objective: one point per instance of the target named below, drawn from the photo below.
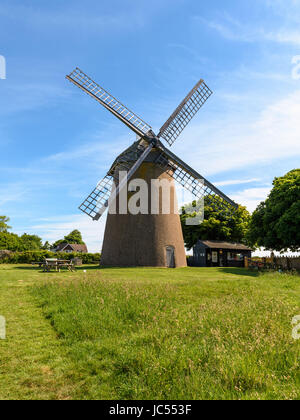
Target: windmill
(146, 239)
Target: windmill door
(170, 251)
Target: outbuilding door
(170, 256)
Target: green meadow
(193, 333)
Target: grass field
(190, 333)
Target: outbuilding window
(234, 256)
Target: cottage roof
(225, 245)
(74, 247)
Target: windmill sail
(97, 202)
(185, 112)
(130, 160)
(88, 85)
(109, 187)
(193, 181)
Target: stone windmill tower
(150, 235)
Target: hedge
(27, 257)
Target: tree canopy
(73, 237)
(3, 224)
(217, 225)
(13, 242)
(30, 242)
(275, 223)
(46, 246)
(9, 241)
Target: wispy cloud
(27, 96)
(251, 197)
(57, 227)
(236, 182)
(12, 193)
(85, 18)
(283, 36)
(285, 9)
(234, 30)
(273, 135)
(191, 52)
(101, 149)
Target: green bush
(12, 242)
(27, 257)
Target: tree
(74, 237)
(60, 241)
(12, 242)
(3, 224)
(275, 223)
(256, 233)
(46, 246)
(9, 241)
(217, 225)
(30, 242)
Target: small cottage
(219, 254)
(65, 247)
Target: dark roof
(74, 247)
(225, 245)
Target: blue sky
(56, 143)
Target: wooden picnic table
(57, 265)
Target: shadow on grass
(92, 267)
(39, 270)
(88, 267)
(239, 271)
(36, 268)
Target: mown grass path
(149, 334)
(33, 364)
